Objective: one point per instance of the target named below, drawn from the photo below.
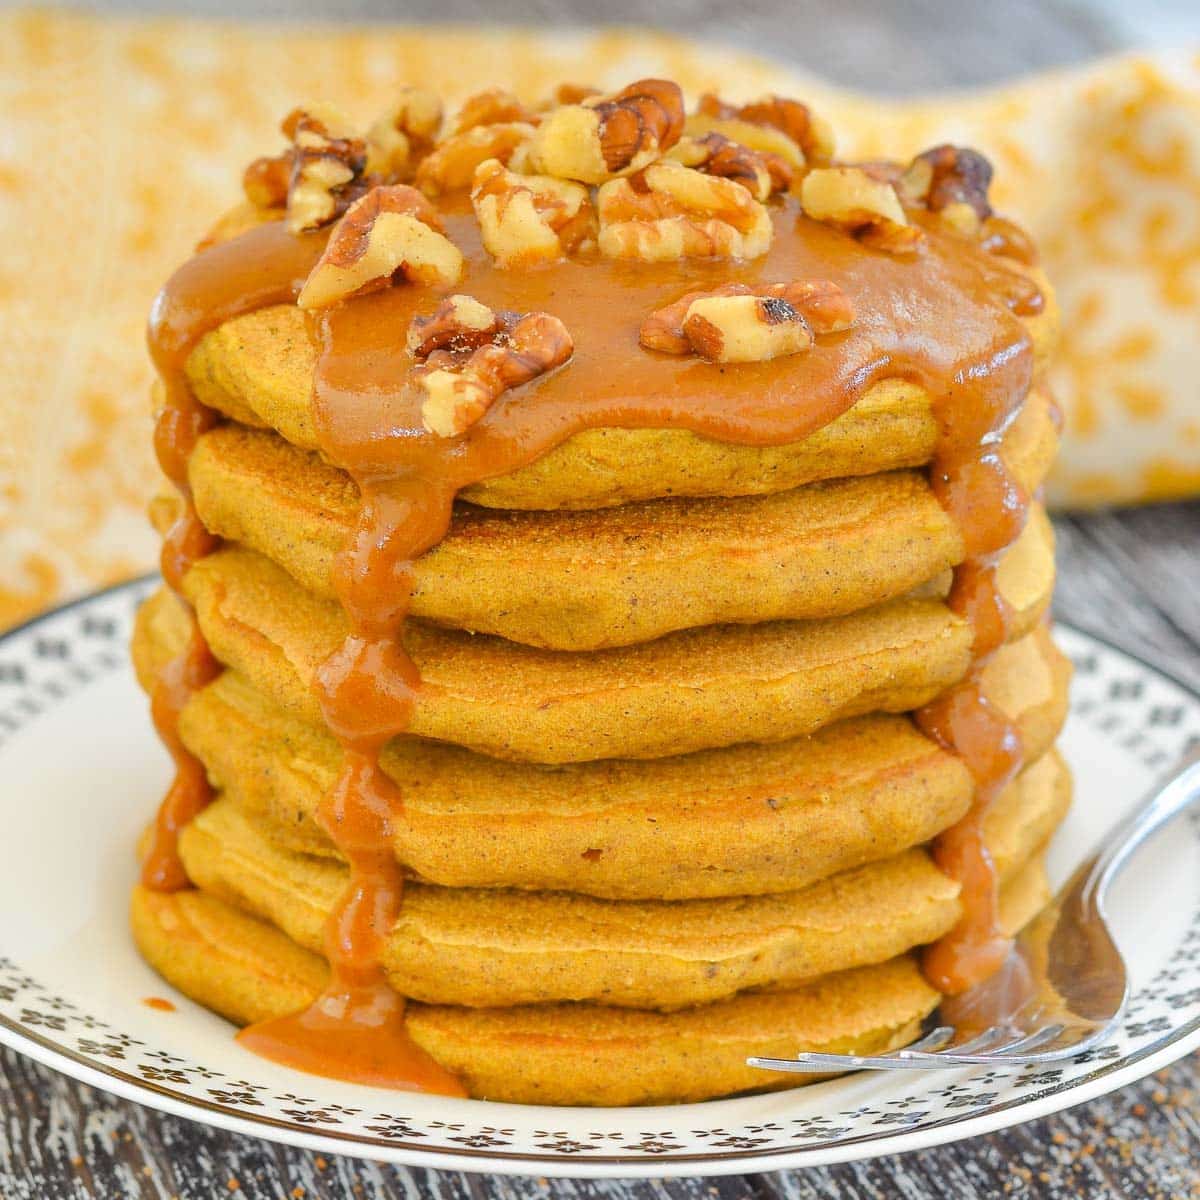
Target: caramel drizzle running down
(947, 324)
(215, 286)
(974, 486)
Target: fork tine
(981, 1043)
(1032, 1041)
(995, 1044)
(816, 1061)
(808, 1062)
(933, 1039)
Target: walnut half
(328, 160)
(471, 355)
(452, 163)
(493, 107)
(773, 125)
(458, 323)
(852, 199)
(404, 134)
(952, 181)
(529, 218)
(737, 323)
(606, 136)
(671, 212)
(391, 231)
(759, 172)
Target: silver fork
(1064, 984)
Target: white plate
(82, 772)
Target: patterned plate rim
(1106, 1077)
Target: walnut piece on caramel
(773, 125)
(493, 107)
(390, 231)
(603, 137)
(452, 163)
(853, 199)
(472, 355)
(744, 328)
(952, 181)
(458, 323)
(810, 132)
(328, 159)
(737, 323)
(671, 212)
(759, 172)
(529, 218)
(404, 134)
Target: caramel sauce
(973, 485)
(355, 1030)
(944, 320)
(265, 266)
(1002, 236)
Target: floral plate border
(1121, 698)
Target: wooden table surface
(1133, 576)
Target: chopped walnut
(266, 180)
(737, 323)
(755, 137)
(774, 125)
(390, 231)
(458, 323)
(328, 162)
(398, 140)
(811, 133)
(868, 208)
(605, 136)
(952, 181)
(529, 218)
(452, 164)
(671, 212)
(493, 107)
(759, 172)
(461, 378)
(745, 328)
(663, 328)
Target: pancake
(584, 1054)
(498, 515)
(691, 690)
(495, 947)
(617, 576)
(735, 821)
(258, 370)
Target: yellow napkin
(123, 138)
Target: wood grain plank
(63, 1140)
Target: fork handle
(1172, 796)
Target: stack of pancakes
(664, 803)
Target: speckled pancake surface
(735, 821)
(499, 947)
(257, 369)
(588, 1054)
(621, 575)
(692, 690)
(248, 971)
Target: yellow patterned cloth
(122, 138)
